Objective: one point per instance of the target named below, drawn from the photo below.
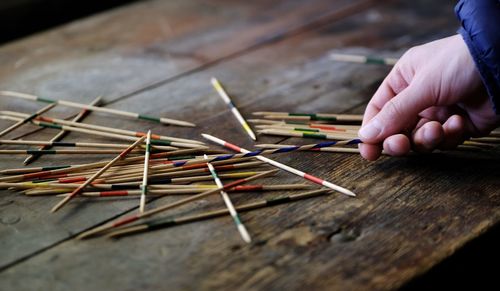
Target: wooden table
(157, 57)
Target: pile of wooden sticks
(148, 166)
(340, 127)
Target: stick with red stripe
(135, 217)
(59, 136)
(281, 166)
(96, 175)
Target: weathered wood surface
(410, 214)
(132, 54)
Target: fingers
(392, 84)
(370, 152)
(454, 132)
(397, 145)
(398, 114)
(428, 137)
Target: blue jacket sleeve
(480, 20)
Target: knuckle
(393, 111)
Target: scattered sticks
(160, 223)
(167, 140)
(97, 109)
(27, 119)
(310, 116)
(61, 134)
(282, 166)
(135, 217)
(96, 175)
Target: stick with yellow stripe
(218, 87)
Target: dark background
(472, 267)
(20, 18)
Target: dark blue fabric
(480, 21)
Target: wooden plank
(149, 42)
(57, 228)
(412, 213)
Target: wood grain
(411, 212)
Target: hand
(432, 98)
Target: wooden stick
(65, 152)
(183, 180)
(159, 139)
(63, 144)
(53, 187)
(363, 59)
(326, 149)
(161, 186)
(310, 116)
(162, 174)
(486, 139)
(333, 136)
(223, 94)
(144, 186)
(95, 132)
(95, 108)
(155, 224)
(316, 123)
(151, 212)
(282, 166)
(187, 189)
(96, 175)
(33, 173)
(229, 204)
(26, 119)
(307, 128)
(61, 134)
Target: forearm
(480, 20)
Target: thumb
(397, 114)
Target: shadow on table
(473, 267)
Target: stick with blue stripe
(223, 94)
(229, 204)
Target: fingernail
(370, 131)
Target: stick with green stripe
(330, 117)
(144, 186)
(155, 224)
(363, 59)
(100, 127)
(75, 192)
(333, 136)
(229, 204)
(26, 119)
(61, 134)
(159, 144)
(95, 108)
(150, 212)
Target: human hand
(432, 98)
